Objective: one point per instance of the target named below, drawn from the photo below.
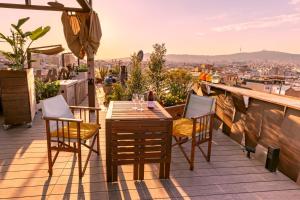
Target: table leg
(142, 164)
(109, 175)
(167, 170)
(162, 170)
(115, 171)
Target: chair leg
(98, 143)
(79, 158)
(192, 154)
(179, 142)
(50, 164)
(208, 150)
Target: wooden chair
(196, 125)
(63, 129)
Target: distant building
(293, 92)
(199, 68)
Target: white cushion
(199, 105)
(56, 107)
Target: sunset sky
(186, 26)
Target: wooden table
(137, 137)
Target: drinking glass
(135, 99)
(141, 101)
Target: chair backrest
(198, 105)
(56, 107)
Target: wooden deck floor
(229, 175)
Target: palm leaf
(39, 32)
(7, 39)
(22, 21)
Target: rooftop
(229, 175)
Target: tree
(136, 82)
(156, 72)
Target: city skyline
(187, 27)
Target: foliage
(103, 71)
(82, 68)
(115, 70)
(118, 93)
(137, 81)
(156, 72)
(179, 82)
(46, 90)
(20, 41)
(171, 100)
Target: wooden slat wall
(267, 124)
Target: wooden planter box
(18, 96)
(175, 111)
(81, 75)
(81, 90)
(68, 91)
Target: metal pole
(91, 80)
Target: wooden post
(91, 80)
(29, 64)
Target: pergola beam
(28, 2)
(84, 5)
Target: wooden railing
(262, 119)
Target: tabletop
(123, 110)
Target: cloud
(267, 22)
(294, 2)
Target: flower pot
(81, 75)
(18, 96)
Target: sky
(206, 27)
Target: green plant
(82, 68)
(45, 90)
(115, 71)
(103, 71)
(118, 93)
(20, 42)
(137, 80)
(179, 82)
(171, 100)
(156, 72)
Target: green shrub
(118, 93)
(82, 68)
(46, 90)
(102, 72)
(171, 100)
(179, 82)
(137, 80)
(156, 73)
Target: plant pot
(81, 75)
(107, 89)
(18, 96)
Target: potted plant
(179, 83)
(45, 90)
(82, 72)
(17, 83)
